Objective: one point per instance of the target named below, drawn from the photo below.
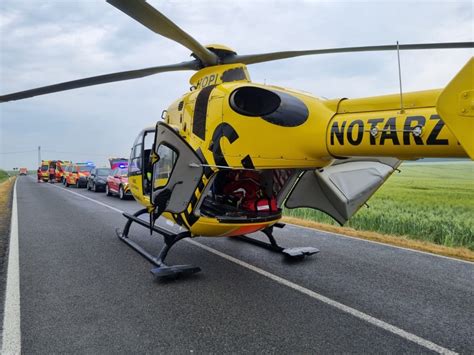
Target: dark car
(98, 179)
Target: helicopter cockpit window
(163, 168)
(135, 160)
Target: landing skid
(293, 253)
(162, 270)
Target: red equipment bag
(242, 185)
(260, 205)
(244, 189)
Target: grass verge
(5, 218)
(5, 209)
(3, 175)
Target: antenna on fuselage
(402, 109)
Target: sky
(43, 42)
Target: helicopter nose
(273, 106)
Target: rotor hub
(220, 50)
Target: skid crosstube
(162, 269)
(294, 253)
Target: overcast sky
(43, 42)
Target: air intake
(273, 106)
(254, 101)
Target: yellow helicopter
(229, 154)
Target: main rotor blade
(154, 20)
(266, 57)
(101, 79)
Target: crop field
(433, 202)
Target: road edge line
(11, 335)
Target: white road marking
(352, 311)
(11, 336)
(90, 199)
(379, 243)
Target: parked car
(78, 175)
(117, 183)
(66, 172)
(61, 168)
(97, 180)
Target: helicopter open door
(342, 188)
(176, 173)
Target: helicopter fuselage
(232, 123)
(240, 124)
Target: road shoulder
(6, 201)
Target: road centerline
(284, 282)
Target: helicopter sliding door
(176, 173)
(342, 188)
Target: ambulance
(44, 174)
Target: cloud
(59, 40)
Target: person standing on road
(52, 174)
(38, 172)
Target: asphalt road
(84, 291)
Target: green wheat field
(426, 201)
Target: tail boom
(377, 126)
(433, 123)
